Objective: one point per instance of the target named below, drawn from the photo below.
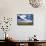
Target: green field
(23, 23)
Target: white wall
(10, 8)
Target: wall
(10, 8)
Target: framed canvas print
(24, 19)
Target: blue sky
(26, 17)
